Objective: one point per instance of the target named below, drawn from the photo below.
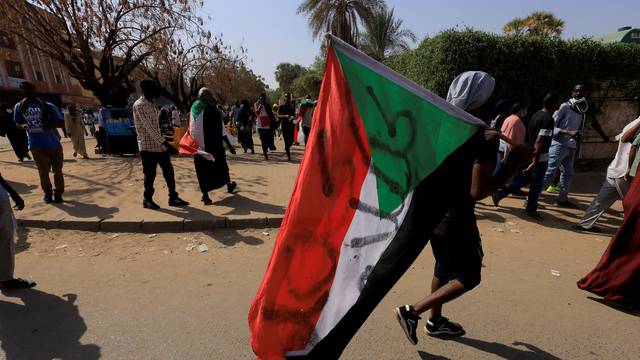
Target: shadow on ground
(45, 327)
(230, 237)
(243, 205)
(83, 210)
(629, 310)
(426, 356)
(22, 235)
(519, 350)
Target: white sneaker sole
(442, 332)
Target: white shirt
(620, 163)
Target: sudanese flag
(375, 181)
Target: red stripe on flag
(300, 273)
(188, 146)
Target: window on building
(14, 69)
(39, 76)
(6, 40)
(58, 78)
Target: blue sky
(272, 32)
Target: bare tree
(189, 63)
(100, 42)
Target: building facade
(20, 62)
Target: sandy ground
(154, 296)
(124, 296)
(110, 188)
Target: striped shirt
(146, 121)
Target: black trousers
(246, 139)
(266, 138)
(150, 162)
(306, 130)
(287, 135)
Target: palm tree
(384, 35)
(542, 23)
(515, 27)
(338, 17)
(539, 23)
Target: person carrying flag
(456, 241)
(264, 123)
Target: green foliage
(286, 73)
(307, 84)
(273, 95)
(385, 35)
(522, 65)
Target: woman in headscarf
(244, 123)
(210, 161)
(76, 131)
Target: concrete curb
(142, 226)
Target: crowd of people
(513, 151)
(516, 151)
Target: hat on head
(471, 89)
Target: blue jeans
(560, 158)
(517, 183)
(534, 179)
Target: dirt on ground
(162, 296)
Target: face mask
(580, 105)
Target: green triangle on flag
(410, 131)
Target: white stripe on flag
(367, 238)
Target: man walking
(40, 119)
(7, 235)
(154, 148)
(568, 126)
(615, 186)
(456, 241)
(540, 131)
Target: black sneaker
(58, 199)
(567, 204)
(495, 200)
(519, 193)
(176, 201)
(48, 198)
(408, 319)
(231, 186)
(534, 215)
(149, 204)
(16, 284)
(442, 326)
